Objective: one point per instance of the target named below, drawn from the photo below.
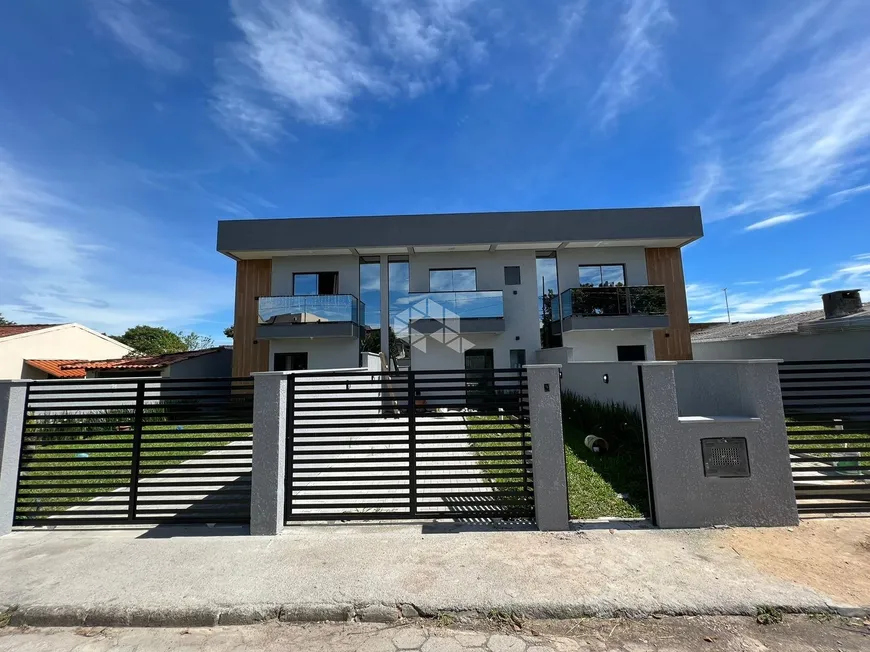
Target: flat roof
(667, 226)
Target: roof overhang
(408, 234)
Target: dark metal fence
(409, 444)
(144, 450)
(827, 409)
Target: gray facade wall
(844, 345)
(682, 223)
(213, 365)
(587, 378)
(683, 496)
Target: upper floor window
(453, 280)
(315, 283)
(512, 275)
(602, 276)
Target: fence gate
(827, 409)
(408, 444)
(139, 450)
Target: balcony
(477, 312)
(316, 315)
(607, 308)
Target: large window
(315, 283)
(602, 276)
(453, 280)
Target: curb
(118, 616)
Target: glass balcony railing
(465, 305)
(613, 301)
(311, 309)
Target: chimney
(842, 303)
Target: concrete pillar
(548, 447)
(269, 453)
(12, 407)
(385, 307)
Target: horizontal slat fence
(146, 450)
(827, 409)
(409, 444)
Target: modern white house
(463, 290)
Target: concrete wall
(683, 496)
(587, 378)
(214, 365)
(332, 353)
(522, 329)
(65, 342)
(600, 346)
(845, 345)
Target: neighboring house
(839, 332)
(206, 363)
(65, 342)
(465, 286)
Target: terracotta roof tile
(18, 329)
(59, 368)
(145, 362)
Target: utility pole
(727, 308)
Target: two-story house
(463, 290)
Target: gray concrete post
(548, 447)
(12, 405)
(269, 453)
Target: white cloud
(785, 218)
(570, 19)
(54, 267)
(848, 193)
(786, 143)
(143, 28)
(301, 59)
(794, 274)
(642, 25)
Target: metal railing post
(412, 444)
(137, 449)
(288, 466)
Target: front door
(479, 377)
(291, 361)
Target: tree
(6, 322)
(230, 331)
(371, 343)
(152, 340)
(195, 341)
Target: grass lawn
(604, 485)
(501, 473)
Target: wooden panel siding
(253, 279)
(664, 266)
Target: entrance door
(479, 377)
(291, 361)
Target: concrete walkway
(178, 576)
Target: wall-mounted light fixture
(605, 378)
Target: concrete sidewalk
(179, 576)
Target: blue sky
(128, 128)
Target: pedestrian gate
(827, 410)
(146, 450)
(408, 444)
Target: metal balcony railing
(613, 301)
(465, 304)
(311, 309)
